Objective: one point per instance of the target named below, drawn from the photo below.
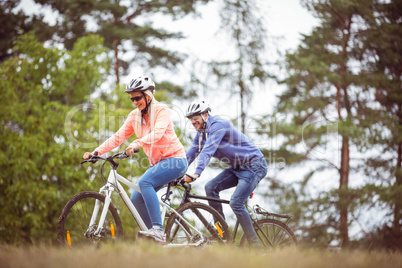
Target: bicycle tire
(204, 218)
(276, 234)
(75, 218)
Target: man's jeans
(147, 202)
(246, 178)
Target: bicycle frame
(186, 198)
(113, 183)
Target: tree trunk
(398, 202)
(343, 196)
(242, 113)
(117, 61)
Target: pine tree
(15, 23)
(382, 48)
(125, 28)
(242, 20)
(327, 92)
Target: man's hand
(188, 179)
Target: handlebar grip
(192, 178)
(89, 160)
(136, 150)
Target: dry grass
(147, 254)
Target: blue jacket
(222, 141)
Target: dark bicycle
(271, 232)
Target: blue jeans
(147, 202)
(245, 179)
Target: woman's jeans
(246, 178)
(147, 202)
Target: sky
(285, 21)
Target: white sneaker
(155, 233)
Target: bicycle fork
(107, 190)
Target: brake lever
(93, 159)
(123, 154)
(89, 160)
(177, 182)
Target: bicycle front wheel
(199, 224)
(272, 234)
(73, 225)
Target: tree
(38, 162)
(244, 24)
(326, 93)
(382, 46)
(13, 24)
(48, 120)
(125, 28)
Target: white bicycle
(90, 217)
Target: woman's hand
(87, 155)
(129, 151)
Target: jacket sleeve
(213, 142)
(193, 152)
(125, 131)
(162, 121)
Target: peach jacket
(158, 144)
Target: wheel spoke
(273, 234)
(201, 217)
(75, 220)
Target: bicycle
(80, 222)
(272, 233)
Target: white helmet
(141, 83)
(197, 107)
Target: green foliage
(15, 23)
(48, 121)
(343, 84)
(40, 166)
(121, 23)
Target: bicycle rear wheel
(272, 234)
(73, 225)
(211, 226)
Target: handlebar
(110, 159)
(95, 157)
(180, 181)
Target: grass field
(147, 254)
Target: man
(218, 138)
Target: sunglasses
(137, 98)
(195, 117)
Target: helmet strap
(202, 129)
(145, 110)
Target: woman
(153, 126)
